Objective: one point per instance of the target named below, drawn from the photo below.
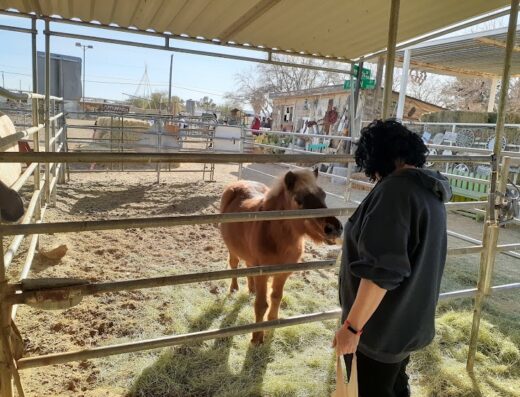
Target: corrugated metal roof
(475, 54)
(336, 28)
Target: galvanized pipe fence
(51, 291)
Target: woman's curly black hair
(383, 143)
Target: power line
(113, 82)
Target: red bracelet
(352, 329)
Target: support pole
(54, 169)
(404, 84)
(357, 90)
(84, 73)
(390, 58)
(35, 113)
(492, 94)
(352, 132)
(489, 241)
(377, 92)
(47, 108)
(241, 149)
(170, 110)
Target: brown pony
(273, 242)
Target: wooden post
(390, 58)
(5, 318)
(491, 229)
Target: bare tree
(255, 84)
(467, 94)
(513, 103)
(429, 90)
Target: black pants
(377, 379)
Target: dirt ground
(135, 253)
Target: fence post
(111, 138)
(65, 147)
(491, 232)
(159, 141)
(241, 149)
(53, 149)
(36, 148)
(122, 142)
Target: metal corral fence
(48, 293)
(141, 132)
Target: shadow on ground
(148, 196)
(203, 370)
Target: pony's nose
(333, 230)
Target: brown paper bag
(343, 389)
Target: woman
(393, 258)
(255, 125)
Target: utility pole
(3, 79)
(78, 44)
(170, 89)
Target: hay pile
(442, 366)
(132, 134)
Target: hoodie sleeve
(383, 239)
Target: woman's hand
(345, 341)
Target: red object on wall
(256, 125)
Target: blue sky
(114, 69)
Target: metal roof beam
(175, 37)
(496, 43)
(439, 33)
(255, 12)
(166, 47)
(447, 69)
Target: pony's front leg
(260, 307)
(233, 264)
(250, 281)
(276, 295)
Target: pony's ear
(290, 180)
(316, 172)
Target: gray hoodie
(397, 238)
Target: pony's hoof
(257, 339)
(233, 289)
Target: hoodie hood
(434, 181)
